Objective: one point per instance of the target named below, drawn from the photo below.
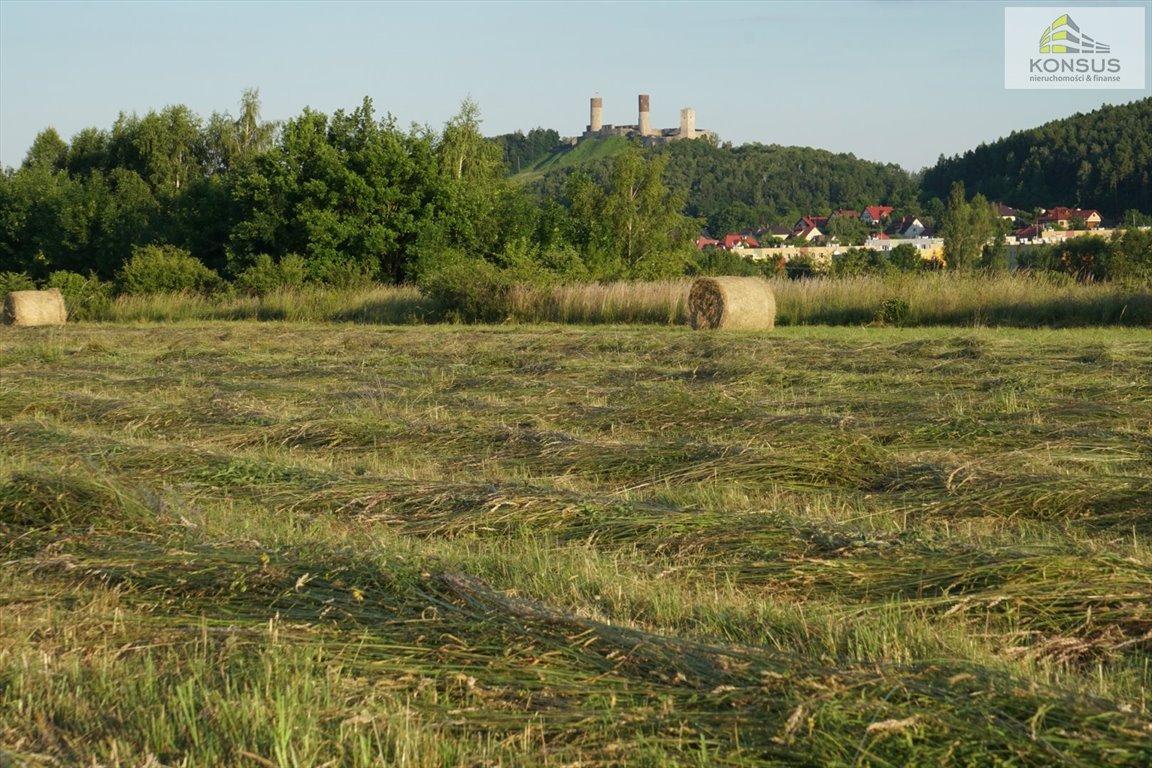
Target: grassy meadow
(934, 298)
(300, 544)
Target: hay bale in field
(31, 308)
(739, 303)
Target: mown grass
(236, 543)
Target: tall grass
(950, 299)
(931, 299)
(657, 303)
(385, 305)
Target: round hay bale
(738, 303)
(32, 308)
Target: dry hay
(32, 308)
(740, 303)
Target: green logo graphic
(1064, 36)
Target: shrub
(906, 258)
(468, 290)
(166, 269)
(265, 275)
(15, 281)
(860, 261)
(1131, 256)
(340, 274)
(800, 267)
(893, 311)
(86, 297)
(717, 261)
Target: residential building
(874, 215)
(1062, 217)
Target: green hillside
(730, 187)
(1102, 160)
(567, 157)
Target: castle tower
(596, 118)
(645, 123)
(687, 123)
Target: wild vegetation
(855, 294)
(293, 544)
(170, 201)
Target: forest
(1100, 160)
(172, 201)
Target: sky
(891, 81)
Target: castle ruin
(643, 129)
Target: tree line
(342, 198)
(353, 197)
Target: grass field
(928, 299)
(294, 544)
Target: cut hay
(739, 303)
(32, 308)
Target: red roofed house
(1061, 217)
(739, 241)
(875, 214)
(1029, 233)
(703, 242)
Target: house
(703, 242)
(805, 222)
(777, 232)
(1006, 212)
(878, 236)
(873, 215)
(731, 242)
(907, 226)
(808, 234)
(1029, 233)
(1062, 217)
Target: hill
(1102, 160)
(737, 187)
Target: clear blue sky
(898, 82)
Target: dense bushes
(1091, 257)
(87, 298)
(165, 269)
(265, 275)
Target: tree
(1134, 218)
(967, 227)
(473, 189)
(650, 236)
(350, 195)
(229, 143)
(48, 150)
(168, 145)
(847, 230)
(906, 257)
(1131, 256)
(861, 261)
